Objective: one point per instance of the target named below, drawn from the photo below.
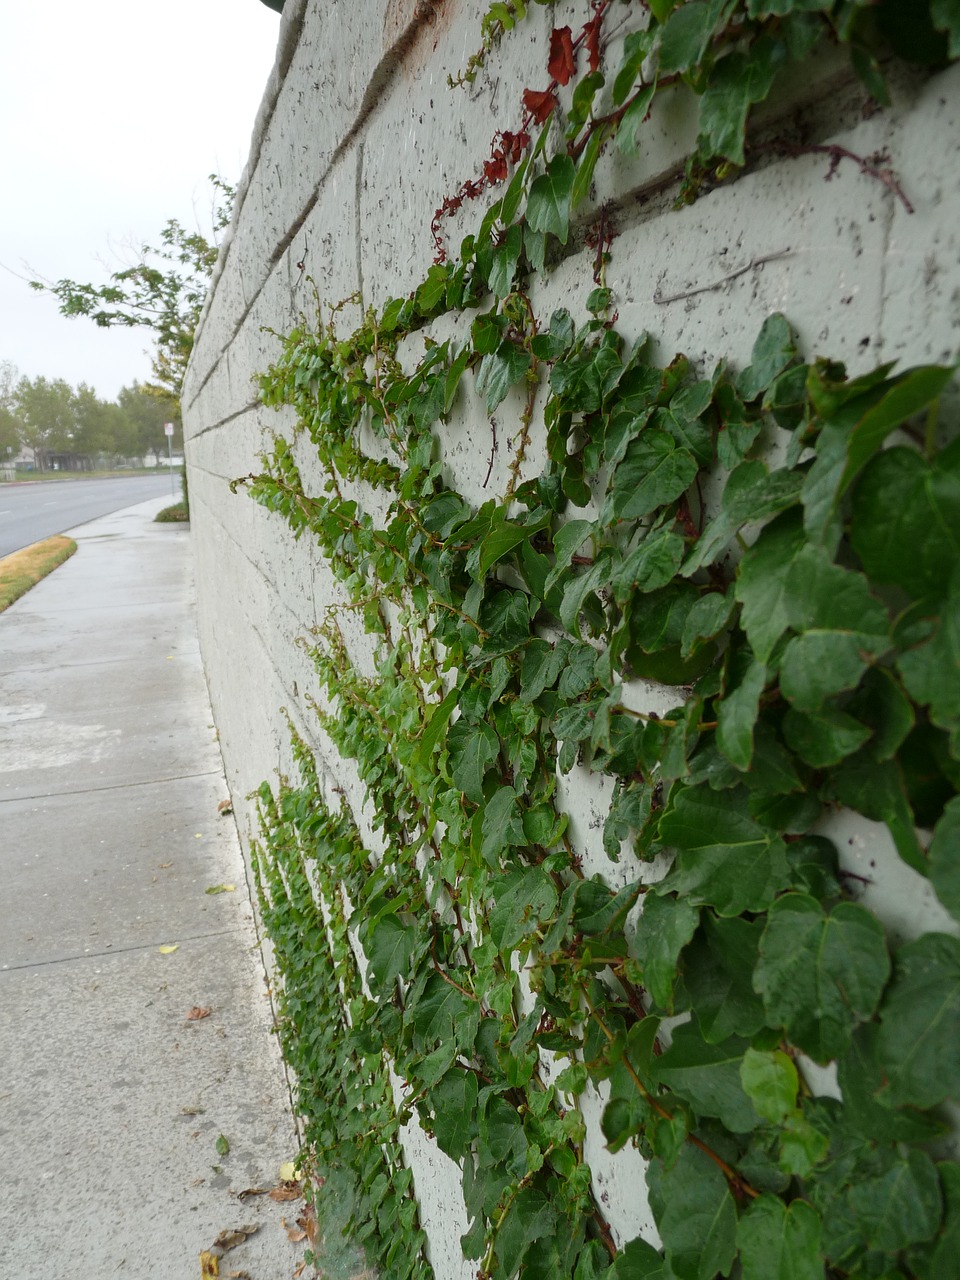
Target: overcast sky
(112, 114)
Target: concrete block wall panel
(358, 142)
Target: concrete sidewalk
(112, 1100)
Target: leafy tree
(147, 409)
(102, 427)
(9, 422)
(47, 416)
(162, 290)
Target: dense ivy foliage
(807, 619)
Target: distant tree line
(71, 428)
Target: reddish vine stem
(736, 1181)
(871, 167)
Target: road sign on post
(168, 432)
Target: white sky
(112, 114)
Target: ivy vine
(808, 620)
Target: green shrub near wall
(809, 624)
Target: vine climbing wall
(575, 485)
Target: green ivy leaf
(653, 473)
(900, 1207)
(726, 859)
(820, 974)
(665, 927)
(634, 116)
(762, 580)
(389, 948)
(861, 1079)
(502, 1139)
(548, 205)
(905, 524)
(842, 626)
(930, 671)
(824, 738)
(774, 350)
(920, 1023)
(707, 618)
(442, 1013)
(737, 82)
(501, 828)
(587, 164)
(504, 537)
(695, 1215)
(525, 898)
(751, 494)
(637, 1261)
(503, 266)
(540, 666)
(687, 33)
(780, 1242)
(652, 564)
(718, 971)
(770, 1081)
(933, 1261)
(530, 1217)
(802, 1146)
(737, 714)
(907, 395)
(708, 1077)
(472, 749)
(945, 858)
(453, 1107)
(500, 371)
(876, 789)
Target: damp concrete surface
(113, 1099)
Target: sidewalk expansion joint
(114, 786)
(117, 951)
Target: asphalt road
(31, 512)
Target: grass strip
(24, 569)
(168, 515)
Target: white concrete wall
(358, 140)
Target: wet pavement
(112, 1099)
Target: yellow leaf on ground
(288, 1172)
(209, 1265)
(221, 888)
(168, 951)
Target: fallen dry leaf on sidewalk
(209, 1265)
(230, 1238)
(221, 888)
(306, 1228)
(168, 951)
(198, 1012)
(225, 807)
(286, 1191)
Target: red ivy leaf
(515, 144)
(539, 104)
(561, 64)
(591, 31)
(495, 169)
